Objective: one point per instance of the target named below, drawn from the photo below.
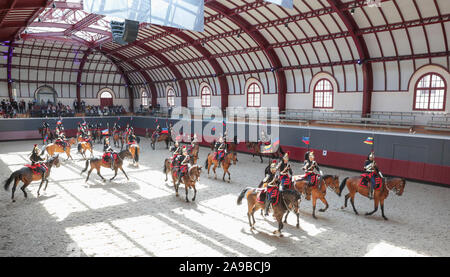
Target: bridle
(190, 175)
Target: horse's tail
(136, 154)
(13, 176)
(241, 196)
(206, 162)
(165, 166)
(87, 164)
(341, 187)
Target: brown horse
(352, 183)
(134, 149)
(256, 150)
(327, 181)
(83, 147)
(53, 148)
(229, 158)
(189, 179)
(194, 153)
(118, 139)
(162, 137)
(26, 175)
(47, 135)
(97, 163)
(289, 200)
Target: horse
(46, 134)
(97, 163)
(162, 137)
(189, 179)
(352, 183)
(83, 147)
(256, 150)
(53, 148)
(118, 137)
(194, 153)
(228, 159)
(318, 191)
(26, 175)
(134, 149)
(97, 135)
(289, 200)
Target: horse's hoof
(342, 207)
(367, 214)
(298, 226)
(14, 201)
(385, 218)
(314, 217)
(322, 210)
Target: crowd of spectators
(11, 109)
(148, 110)
(105, 111)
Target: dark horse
(47, 132)
(162, 137)
(255, 147)
(289, 200)
(97, 163)
(26, 175)
(352, 183)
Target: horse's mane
(291, 192)
(329, 176)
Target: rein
(190, 176)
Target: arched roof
(283, 48)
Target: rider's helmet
(177, 144)
(273, 166)
(185, 152)
(371, 156)
(311, 155)
(36, 149)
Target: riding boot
(112, 163)
(370, 191)
(179, 177)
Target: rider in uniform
(371, 171)
(310, 166)
(177, 151)
(285, 170)
(131, 139)
(184, 163)
(109, 151)
(221, 146)
(270, 182)
(36, 155)
(61, 138)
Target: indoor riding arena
(224, 128)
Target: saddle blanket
(221, 155)
(365, 180)
(105, 155)
(38, 168)
(274, 195)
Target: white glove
(381, 175)
(321, 172)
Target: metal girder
(85, 22)
(8, 70)
(80, 72)
(224, 89)
(363, 53)
(262, 42)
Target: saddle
(365, 180)
(39, 168)
(107, 156)
(219, 154)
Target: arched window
(170, 97)
(144, 98)
(429, 93)
(323, 94)
(206, 96)
(106, 98)
(254, 95)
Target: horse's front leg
(187, 191)
(375, 204)
(285, 218)
(314, 200)
(195, 193)
(40, 185)
(260, 156)
(322, 198)
(382, 209)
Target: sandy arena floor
(142, 217)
